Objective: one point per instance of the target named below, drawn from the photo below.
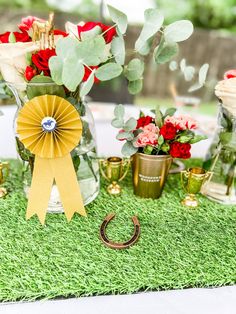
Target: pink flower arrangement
(166, 134)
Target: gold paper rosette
(50, 127)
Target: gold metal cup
(4, 171)
(149, 174)
(192, 181)
(114, 169)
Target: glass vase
(221, 160)
(83, 156)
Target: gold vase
(149, 174)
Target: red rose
(87, 73)
(143, 121)
(27, 22)
(110, 32)
(20, 37)
(168, 131)
(59, 32)
(108, 36)
(41, 58)
(30, 73)
(180, 150)
(229, 74)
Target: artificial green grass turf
(178, 247)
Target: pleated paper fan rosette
(50, 128)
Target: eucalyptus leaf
(194, 87)
(128, 149)
(189, 72)
(137, 132)
(173, 66)
(153, 21)
(134, 87)
(117, 123)
(203, 73)
(165, 53)
(182, 65)
(125, 136)
(92, 51)
(145, 46)
(134, 70)
(130, 125)
(72, 73)
(66, 46)
(119, 18)
(46, 86)
(119, 111)
(108, 71)
(178, 31)
(91, 33)
(118, 49)
(56, 67)
(86, 86)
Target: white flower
(13, 60)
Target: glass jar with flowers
(222, 155)
(154, 142)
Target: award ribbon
(50, 128)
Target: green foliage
(201, 78)
(134, 70)
(119, 113)
(135, 87)
(128, 149)
(130, 125)
(48, 87)
(153, 21)
(178, 31)
(86, 86)
(118, 49)
(109, 71)
(209, 14)
(68, 66)
(25, 4)
(164, 53)
(189, 73)
(119, 18)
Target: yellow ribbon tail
(68, 186)
(40, 190)
(45, 171)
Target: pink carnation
(182, 122)
(149, 136)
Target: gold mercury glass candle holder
(114, 170)
(192, 181)
(4, 171)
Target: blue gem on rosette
(48, 124)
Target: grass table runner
(178, 247)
